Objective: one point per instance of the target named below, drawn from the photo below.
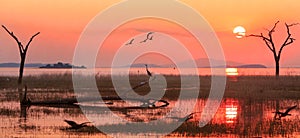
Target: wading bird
(148, 72)
(286, 113)
(74, 125)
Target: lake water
(234, 118)
(166, 71)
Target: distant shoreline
(42, 65)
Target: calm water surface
(244, 117)
(234, 118)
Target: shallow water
(234, 118)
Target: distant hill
(201, 63)
(204, 63)
(39, 65)
(16, 65)
(252, 66)
(141, 65)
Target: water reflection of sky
(236, 115)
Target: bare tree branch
(273, 29)
(20, 45)
(261, 36)
(289, 40)
(290, 25)
(21, 48)
(31, 40)
(271, 37)
(266, 40)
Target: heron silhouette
(186, 118)
(74, 125)
(286, 113)
(148, 37)
(148, 72)
(130, 42)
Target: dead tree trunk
(23, 51)
(277, 66)
(271, 45)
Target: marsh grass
(255, 93)
(53, 86)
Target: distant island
(61, 65)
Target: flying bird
(74, 125)
(186, 118)
(148, 72)
(130, 42)
(151, 38)
(148, 37)
(286, 113)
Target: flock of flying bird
(148, 37)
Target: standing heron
(286, 113)
(74, 125)
(148, 72)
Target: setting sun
(239, 31)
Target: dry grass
(239, 87)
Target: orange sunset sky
(62, 21)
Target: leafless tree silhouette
(23, 52)
(269, 41)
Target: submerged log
(72, 102)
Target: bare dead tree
(23, 52)
(269, 41)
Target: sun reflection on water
(231, 113)
(232, 72)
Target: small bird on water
(74, 125)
